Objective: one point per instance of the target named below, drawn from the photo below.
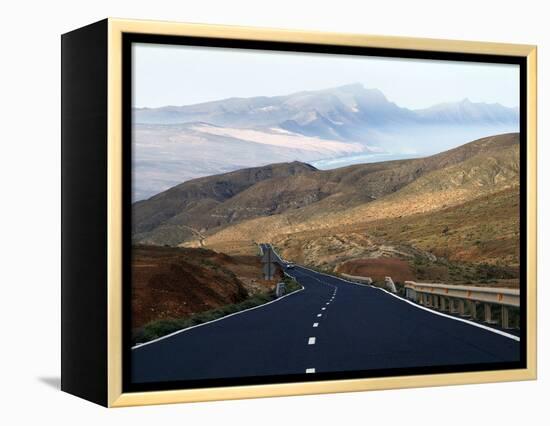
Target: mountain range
(341, 113)
(349, 123)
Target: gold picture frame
(115, 29)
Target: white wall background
(30, 200)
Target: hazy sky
(182, 75)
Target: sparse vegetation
(156, 329)
(443, 270)
(291, 285)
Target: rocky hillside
(169, 283)
(263, 203)
(185, 212)
(437, 245)
(461, 206)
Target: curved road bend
(331, 325)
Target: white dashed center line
(319, 315)
(323, 309)
(315, 324)
(311, 341)
(310, 370)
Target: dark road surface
(331, 325)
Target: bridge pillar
(472, 309)
(442, 303)
(436, 301)
(505, 317)
(424, 299)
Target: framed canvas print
(254, 212)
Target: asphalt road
(330, 326)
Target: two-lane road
(331, 325)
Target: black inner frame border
(129, 38)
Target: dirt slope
(178, 282)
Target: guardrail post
(390, 285)
(280, 289)
(452, 308)
(487, 308)
(505, 317)
(461, 310)
(466, 300)
(472, 309)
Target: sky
(183, 75)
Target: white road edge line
(441, 314)
(310, 370)
(475, 324)
(465, 321)
(216, 320)
(311, 341)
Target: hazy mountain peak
(466, 112)
(358, 90)
(351, 87)
(345, 113)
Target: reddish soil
(377, 269)
(172, 282)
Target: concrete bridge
(463, 300)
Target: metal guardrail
(388, 282)
(364, 280)
(464, 299)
